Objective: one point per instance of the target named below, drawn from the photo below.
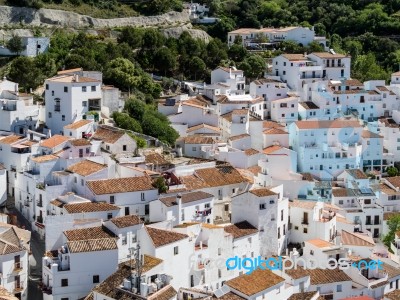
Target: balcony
(39, 203)
(46, 289)
(17, 267)
(18, 288)
(39, 219)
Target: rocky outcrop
(175, 32)
(53, 17)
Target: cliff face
(53, 17)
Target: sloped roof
(126, 221)
(108, 134)
(82, 234)
(77, 124)
(86, 167)
(186, 198)
(240, 229)
(356, 239)
(54, 141)
(86, 207)
(164, 237)
(120, 185)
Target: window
(112, 199)
(126, 211)
(305, 230)
(93, 88)
(340, 201)
(52, 93)
(207, 205)
(176, 251)
(47, 86)
(219, 273)
(84, 103)
(123, 147)
(219, 251)
(87, 150)
(282, 215)
(109, 216)
(64, 298)
(63, 118)
(311, 252)
(49, 114)
(75, 179)
(142, 196)
(194, 148)
(262, 206)
(124, 241)
(296, 227)
(82, 182)
(84, 89)
(65, 89)
(133, 238)
(339, 288)
(64, 282)
(96, 278)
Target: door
(126, 211)
(80, 152)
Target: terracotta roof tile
(164, 237)
(366, 134)
(86, 167)
(295, 57)
(241, 229)
(275, 131)
(72, 78)
(10, 242)
(82, 234)
(327, 124)
(319, 243)
(239, 137)
(303, 296)
(329, 55)
(220, 175)
(192, 182)
(198, 139)
(86, 207)
(126, 221)
(54, 141)
(201, 126)
(393, 295)
(80, 142)
(272, 149)
(92, 245)
(251, 151)
(120, 185)
(395, 181)
(108, 134)
(263, 192)
(44, 158)
(319, 276)
(356, 239)
(272, 124)
(186, 198)
(229, 296)
(156, 159)
(256, 282)
(357, 173)
(10, 139)
(77, 124)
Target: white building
(14, 259)
(72, 270)
(186, 207)
(327, 148)
(18, 112)
(114, 140)
(68, 98)
(268, 211)
(301, 35)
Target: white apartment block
(285, 110)
(18, 112)
(231, 77)
(268, 211)
(14, 260)
(326, 148)
(301, 35)
(312, 220)
(182, 208)
(73, 269)
(298, 70)
(68, 98)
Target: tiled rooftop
(77, 124)
(108, 134)
(356, 239)
(164, 237)
(83, 234)
(126, 221)
(186, 198)
(120, 185)
(327, 124)
(54, 141)
(263, 192)
(86, 167)
(241, 229)
(86, 207)
(92, 245)
(80, 142)
(319, 276)
(256, 282)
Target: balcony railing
(17, 266)
(304, 222)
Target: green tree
(366, 68)
(197, 66)
(24, 71)
(166, 60)
(132, 36)
(394, 225)
(15, 44)
(392, 171)
(121, 72)
(124, 121)
(46, 64)
(160, 184)
(253, 66)
(135, 108)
